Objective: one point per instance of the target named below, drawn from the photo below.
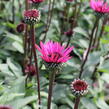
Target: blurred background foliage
(19, 93)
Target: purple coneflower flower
(31, 16)
(54, 54)
(79, 87)
(99, 6)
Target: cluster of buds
(79, 87)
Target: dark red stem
(89, 48)
(25, 39)
(51, 80)
(77, 103)
(26, 5)
(36, 65)
(49, 17)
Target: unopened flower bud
(79, 87)
(31, 16)
(20, 27)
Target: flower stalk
(51, 81)
(77, 101)
(49, 17)
(13, 11)
(35, 60)
(25, 37)
(89, 48)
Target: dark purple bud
(20, 27)
(68, 33)
(30, 70)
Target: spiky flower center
(55, 56)
(80, 85)
(32, 13)
(31, 16)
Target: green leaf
(19, 103)
(88, 104)
(7, 97)
(14, 37)
(4, 70)
(102, 104)
(104, 67)
(15, 67)
(81, 31)
(18, 46)
(18, 86)
(64, 107)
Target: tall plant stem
(26, 5)
(51, 14)
(106, 57)
(35, 59)
(95, 37)
(68, 42)
(13, 11)
(89, 48)
(20, 6)
(25, 38)
(51, 80)
(26, 30)
(49, 17)
(77, 103)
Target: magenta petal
(37, 47)
(54, 52)
(99, 6)
(68, 50)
